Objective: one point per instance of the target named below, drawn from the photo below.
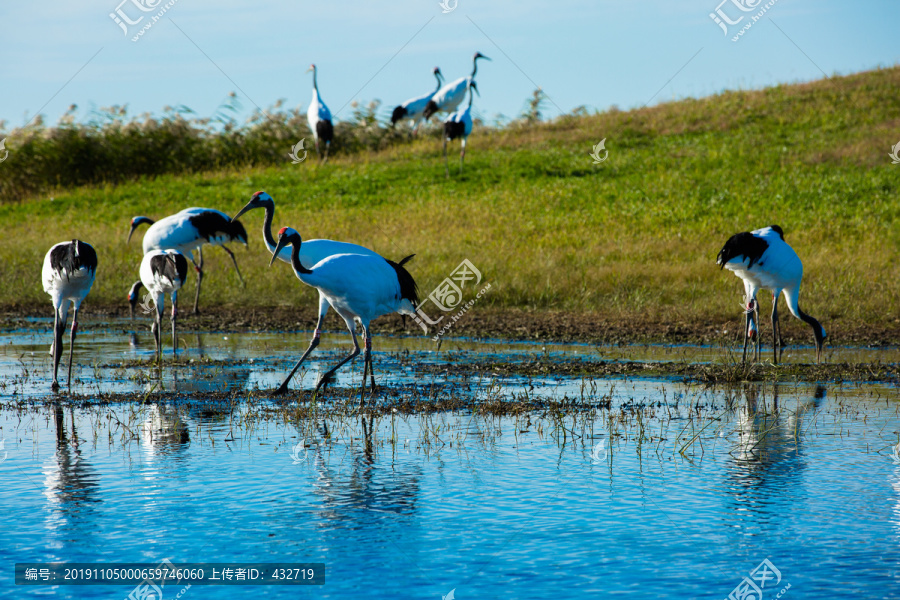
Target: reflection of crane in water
(895, 521)
(767, 457)
(163, 431)
(367, 486)
(200, 379)
(70, 482)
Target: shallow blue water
(490, 508)
(265, 358)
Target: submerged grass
(602, 422)
(632, 239)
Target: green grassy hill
(634, 238)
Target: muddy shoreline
(487, 323)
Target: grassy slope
(633, 238)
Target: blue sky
(595, 53)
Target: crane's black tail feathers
(73, 256)
(742, 244)
(454, 129)
(399, 113)
(430, 109)
(325, 130)
(408, 288)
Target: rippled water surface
(649, 489)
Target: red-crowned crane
(67, 275)
(312, 252)
(319, 117)
(763, 260)
(162, 272)
(187, 231)
(414, 108)
(359, 287)
(459, 125)
(451, 95)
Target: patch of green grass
(632, 238)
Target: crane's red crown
(282, 230)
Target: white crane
(68, 274)
(414, 108)
(459, 125)
(763, 260)
(319, 117)
(162, 272)
(189, 230)
(451, 95)
(312, 252)
(359, 287)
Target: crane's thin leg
(313, 344)
(462, 156)
(157, 333)
(353, 354)
(174, 314)
(368, 343)
(199, 269)
(758, 332)
(755, 342)
(72, 344)
(446, 163)
(58, 326)
(775, 337)
(327, 146)
(234, 260)
(746, 334)
(362, 391)
(780, 335)
(367, 367)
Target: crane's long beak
(247, 207)
(133, 227)
(281, 244)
